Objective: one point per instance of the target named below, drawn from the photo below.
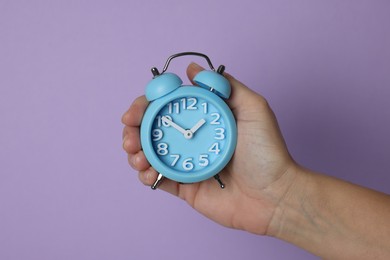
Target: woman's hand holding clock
(260, 172)
(268, 193)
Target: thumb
(240, 95)
(192, 70)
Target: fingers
(138, 161)
(132, 145)
(131, 139)
(149, 176)
(133, 116)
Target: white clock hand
(197, 126)
(187, 133)
(174, 125)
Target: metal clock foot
(159, 179)
(219, 181)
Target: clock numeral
(187, 164)
(203, 160)
(215, 120)
(186, 104)
(173, 108)
(175, 157)
(204, 105)
(157, 134)
(215, 148)
(219, 133)
(192, 106)
(162, 123)
(183, 103)
(162, 149)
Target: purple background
(69, 69)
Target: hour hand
(197, 125)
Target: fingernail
(134, 161)
(146, 177)
(126, 144)
(123, 119)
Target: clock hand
(187, 133)
(174, 125)
(197, 126)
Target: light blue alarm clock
(188, 133)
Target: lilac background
(69, 69)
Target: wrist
(332, 218)
(286, 216)
(304, 216)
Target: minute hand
(174, 125)
(197, 125)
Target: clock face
(188, 135)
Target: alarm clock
(188, 132)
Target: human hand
(257, 177)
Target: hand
(268, 193)
(257, 178)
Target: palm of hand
(260, 159)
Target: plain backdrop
(70, 69)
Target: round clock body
(188, 135)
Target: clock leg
(219, 181)
(159, 179)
